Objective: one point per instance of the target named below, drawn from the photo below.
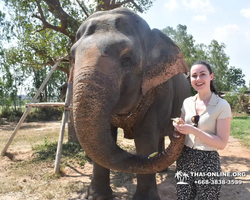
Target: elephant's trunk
(95, 93)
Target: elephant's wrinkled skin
(126, 75)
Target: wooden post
(46, 104)
(64, 120)
(28, 108)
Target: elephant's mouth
(128, 113)
(127, 120)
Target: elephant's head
(118, 60)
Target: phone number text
(219, 182)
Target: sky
(227, 21)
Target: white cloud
(223, 33)
(171, 5)
(198, 5)
(245, 13)
(201, 18)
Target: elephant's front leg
(99, 188)
(146, 184)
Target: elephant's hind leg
(146, 184)
(146, 188)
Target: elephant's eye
(126, 61)
(91, 29)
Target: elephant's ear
(164, 60)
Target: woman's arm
(219, 140)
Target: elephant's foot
(97, 193)
(150, 196)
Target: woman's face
(200, 77)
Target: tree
(220, 61)
(45, 29)
(234, 78)
(184, 41)
(201, 52)
(12, 79)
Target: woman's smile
(199, 84)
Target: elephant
(129, 76)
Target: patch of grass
(49, 195)
(14, 187)
(240, 128)
(70, 151)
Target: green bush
(44, 114)
(11, 115)
(232, 99)
(238, 100)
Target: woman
(206, 121)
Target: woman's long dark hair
(201, 62)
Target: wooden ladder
(65, 104)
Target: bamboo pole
(28, 108)
(64, 120)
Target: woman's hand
(177, 121)
(185, 128)
(181, 126)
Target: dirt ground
(234, 159)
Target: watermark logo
(181, 177)
(207, 178)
